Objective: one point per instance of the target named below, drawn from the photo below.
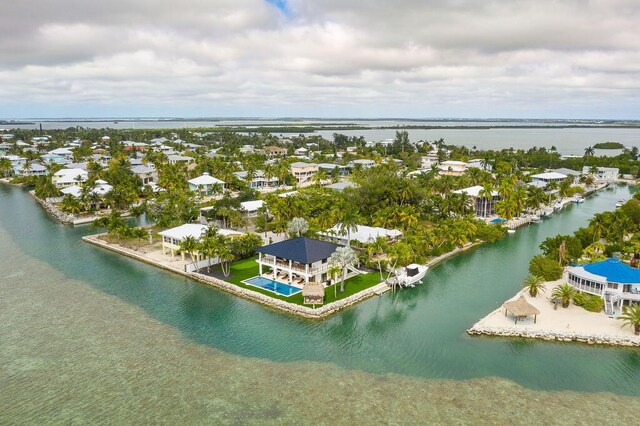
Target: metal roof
(614, 271)
(302, 250)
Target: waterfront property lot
(243, 270)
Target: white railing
(282, 264)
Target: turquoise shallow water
(118, 318)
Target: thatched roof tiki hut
(313, 293)
(521, 309)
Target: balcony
(295, 267)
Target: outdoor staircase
(609, 300)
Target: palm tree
(534, 284)
(376, 249)
(349, 222)
(631, 317)
(334, 271)
(344, 257)
(486, 194)
(589, 151)
(70, 204)
(297, 227)
(189, 245)
(225, 256)
(565, 293)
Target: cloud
(304, 57)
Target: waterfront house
(68, 177)
(548, 177)
(605, 174)
(171, 238)
(303, 171)
(483, 207)
(206, 184)
(616, 282)
(32, 169)
(74, 190)
(363, 234)
(297, 260)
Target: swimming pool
(274, 286)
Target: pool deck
(572, 324)
(178, 267)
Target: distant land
(609, 145)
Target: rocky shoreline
(590, 339)
(280, 305)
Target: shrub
(590, 302)
(546, 268)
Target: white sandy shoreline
(573, 324)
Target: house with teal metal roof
(613, 280)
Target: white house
(364, 163)
(68, 177)
(606, 174)
(296, 261)
(206, 184)
(147, 174)
(171, 238)
(174, 159)
(363, 234)
(34, 169)
(251, 207)
(452, 168)
(482, 206)
(259, 180)
(616, 282)
(548, 177)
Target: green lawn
(248, 268)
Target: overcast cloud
(358, 58)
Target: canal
(417, 332)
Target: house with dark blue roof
(298, 260)
(613, 280)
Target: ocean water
(89, 336)
(567, 140)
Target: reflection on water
(85, 332)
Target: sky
(320, 58)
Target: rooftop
(364, 234)
(302, 250)
(612, 270)
(473, 191)
(549, 175)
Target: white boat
(511, 231)
(619, 204)
(411, 275)
(578, 199)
